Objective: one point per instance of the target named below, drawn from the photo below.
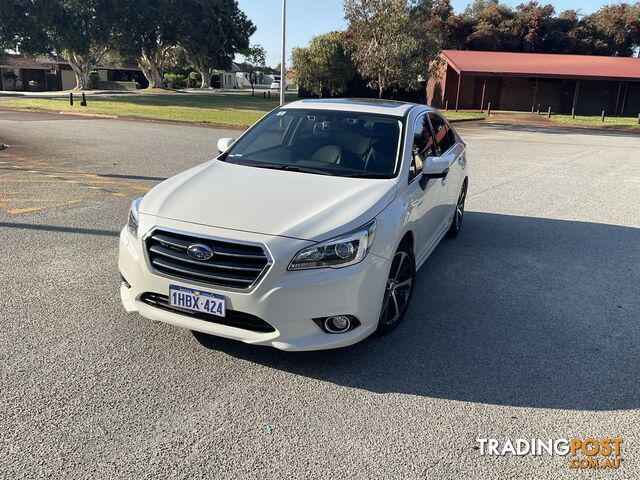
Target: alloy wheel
(398, 290)
(459, 215)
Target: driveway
(526, 326)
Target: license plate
(196, 300)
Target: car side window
(445, 138)
(423, 146)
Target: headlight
(134, 217)
(338, 252)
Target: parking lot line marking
(15, 211)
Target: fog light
(337, 324)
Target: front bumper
(288, 301)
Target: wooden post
(484, 86)
(615, 112)
(446, 105)
(549, 112)
(573, 113)
(602, 117)
(535, 96)
(538, 111)
(71, 98)
(639, 119)
(575, 98)
(83, 102)
(624, 98)
(458, 91)
(489, 109)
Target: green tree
(147, 30)
(616, 28)
(254, 64)
(212, 32)
(77, 30)
(389, 42)
(531, 25)
(324, 67)
(492, 26)
(18, 28)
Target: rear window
(330, 142)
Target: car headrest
(323, 129)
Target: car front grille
(232, 318)
(233, 265)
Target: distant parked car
(276, 86)
(306, 232)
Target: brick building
(469, 80)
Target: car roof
(361, 105)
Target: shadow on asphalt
(131, 177)
(516, 311)
(55, 228)
(556, 130)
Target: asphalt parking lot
(526, 326)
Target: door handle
(416, 203)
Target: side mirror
(224, 144)
(434, 167)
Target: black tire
(399, 289)
(458, 216)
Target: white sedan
(306, 232)
(276, 86)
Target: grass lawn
(230, 109)
(458, 116)
(594, 121)
(235, 110)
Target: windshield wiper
(366, 175)
(290, 168)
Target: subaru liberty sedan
(306, 232)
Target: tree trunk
(81, 67)
(205, 73)
(151, 70)
(380, 87)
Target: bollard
(573, 113)
(71, 98)
(268, 93)
(489, 109)
(446, 106)
(639, 119)
(549, 112)
(538, 112)
(264, 95)
(602, 117)
(83, 103)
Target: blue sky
(306, 18)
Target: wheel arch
(409, 238)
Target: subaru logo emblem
(199, 251)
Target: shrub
(174, 80)
(194, 80)
(94, 79)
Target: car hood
(271, 202)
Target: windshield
(348, 144)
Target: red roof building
(528, 81)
